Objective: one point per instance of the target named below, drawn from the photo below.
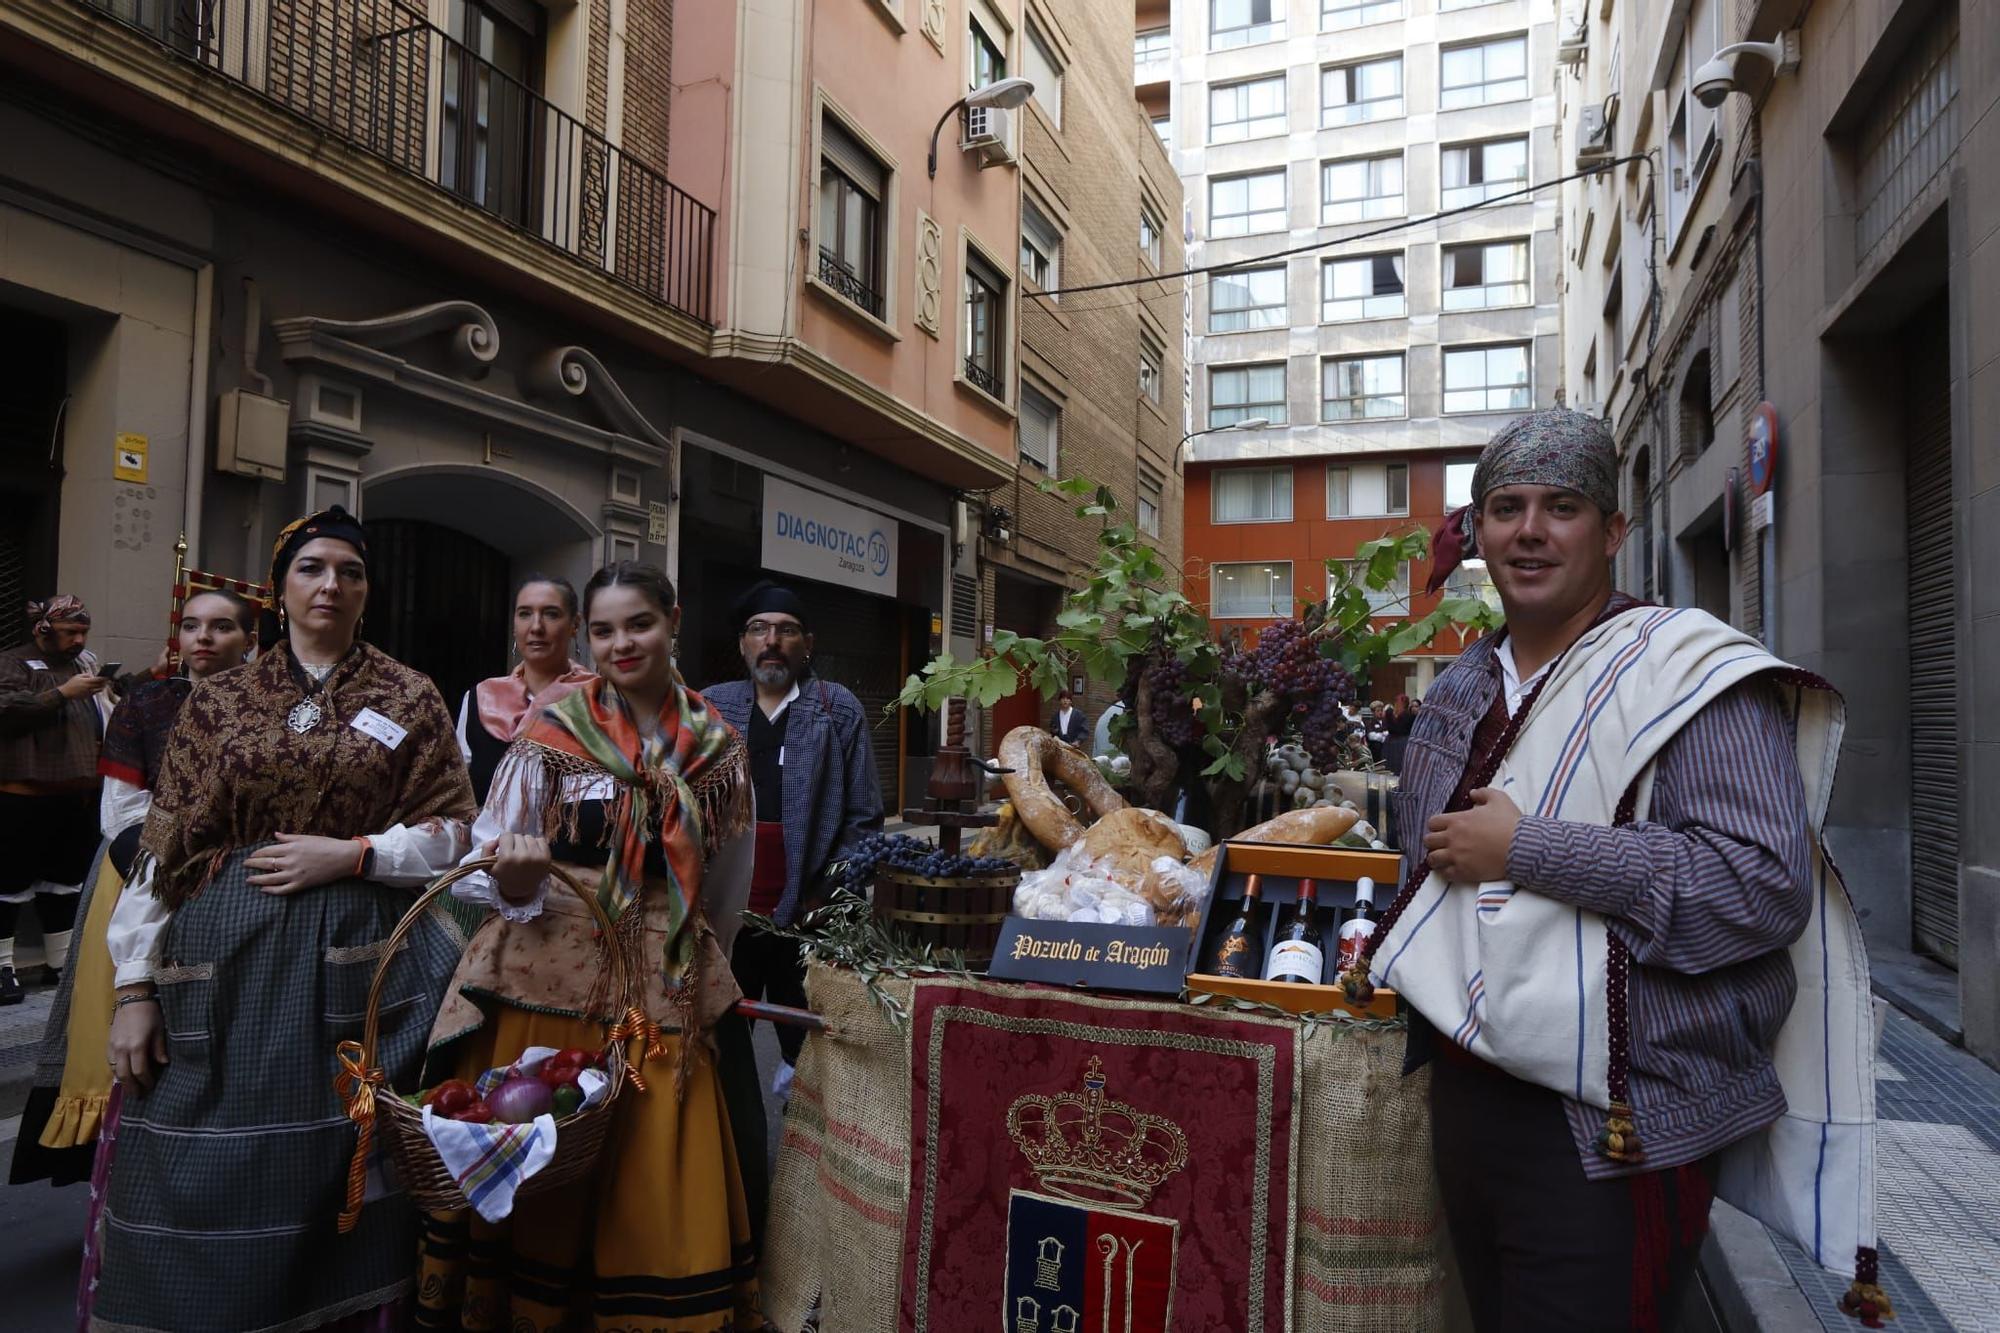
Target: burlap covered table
(1367, 1232)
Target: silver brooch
(305, 715)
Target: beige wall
(887, 81)
(131, 318)
(892, 86)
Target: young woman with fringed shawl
(638, 788)
(301, 799)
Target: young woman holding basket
(637, 788)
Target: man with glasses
(814, 780)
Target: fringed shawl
(235, 774)
(687, 789)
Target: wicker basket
(376, 1107)
(964, 913)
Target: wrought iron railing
(848, 283)
(378, 75)
(985, 378)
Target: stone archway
(451, 542)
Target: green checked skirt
(231, 1173)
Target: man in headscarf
(1697, 900)
(814, 777)
(50, 724)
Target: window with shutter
(1040, 428)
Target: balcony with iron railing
(378, 76)
(834, 273)
(985, 377)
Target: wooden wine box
(1334, 870)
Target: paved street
(1938, 1164)
(1937, 1168)
(41, 1229)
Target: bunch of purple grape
(1287, 660)
(1174, 717)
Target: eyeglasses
(786, 630)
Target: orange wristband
(361, 861)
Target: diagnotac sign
(816, 536)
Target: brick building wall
(1091, 176)
(597, 85)
(649, 63)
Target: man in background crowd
(1068, 723)
(814, 779)
(52, 706)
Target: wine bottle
(1297, 956)
(1233, 956)
(1360, 924)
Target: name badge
(371, 723)
(37, 664)
(781, 756)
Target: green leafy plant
(1188, 691)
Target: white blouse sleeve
(411, 854)
(121, 805)
(513, 805)
(134, 933)
(464, 745)
(725, 887)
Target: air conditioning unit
(1593, 138)
(989, 131)
(1575, 40)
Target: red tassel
(1693, 1196)
(1649, 1250)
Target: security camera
(1714, 82)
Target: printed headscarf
(335, 522)
(61, 609)
(1554, 447)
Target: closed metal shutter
(1933, 651)
(858, 642)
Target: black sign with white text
(1089, 954)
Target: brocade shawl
(235, 774)
(688, 788)
(135, 739)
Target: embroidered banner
(1166, 1128)
(1076, 1269)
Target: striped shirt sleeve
(1719, 872)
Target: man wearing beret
(814, 779)
(1618, 856)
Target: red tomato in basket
(559, 1076)
(451, 1096)
(573, 1058)
(479, 1113)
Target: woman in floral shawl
(301, 799)
(638, 788)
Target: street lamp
(1250, 423)
(1005, 93)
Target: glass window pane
(1464, 370)
(1507, 160)
(1458, 484)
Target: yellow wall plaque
(128, 459)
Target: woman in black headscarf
(301, 799)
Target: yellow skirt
(658, 1239)
(86, 1076)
